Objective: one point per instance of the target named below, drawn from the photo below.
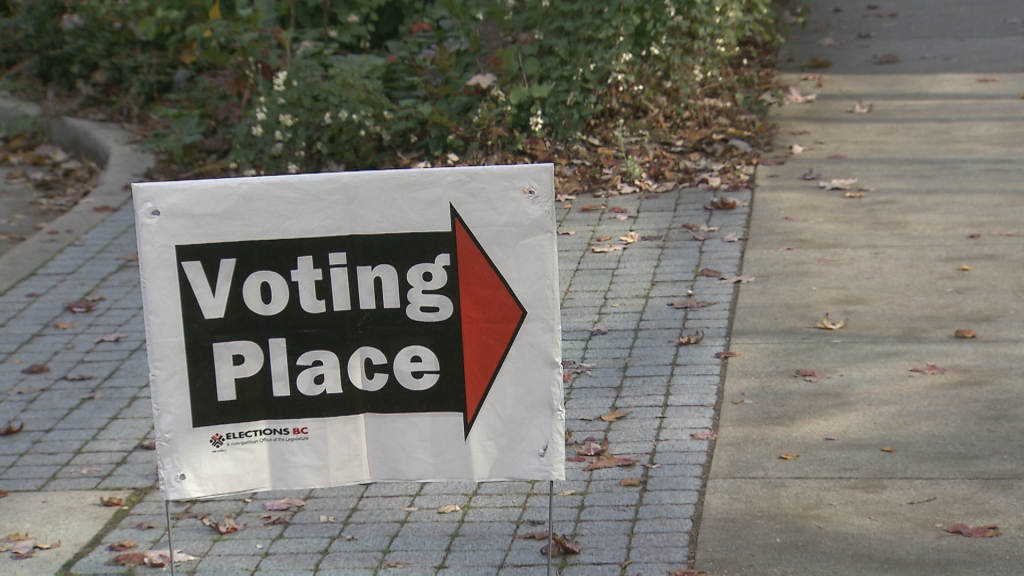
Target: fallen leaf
(828, 40)
(737, 280)
(160, 558)
(591, 447)
(566, 493)
(964, 333)
(630, 482)
(704, 435)
(449, 509)
(731, 238)
(630, 238)
(888, 449)
(271, 520)
(725, 203)
(826, 323)
(831, 438)
(796, 149)
(989, 531)
(151, 445)
(699, 236)
(65, 325)
(837, 184)
(987, 79)
(974, 236)
(568, 233)
(836, 156)
(4, 493)
(108, 338)
(111, 501)
(91, 396)
(788, 456)
(412, 508)
(609, 461)
(122, 546)
(618, 210)
(103, 208)
(600, 330)
(857, 194)
(129, 560)
(228, 526)
(541, 535)
(12, 428)
(326, 519)
(78, 378)
(145, 526)
(860, 108)
(615, 416)
(81, 306)
(929, 368)
(191, 516)
(284, 504)
(727, 354)
(965, 268)
(562, 545)
(689, 340)
(886, 59)
(690, 303)
(593, 207)
(710, 273)
(36, 369)
(604, 238)
(808, 375)
(913, 502)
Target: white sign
(320, 330)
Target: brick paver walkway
(89, 433)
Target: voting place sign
(328, 329)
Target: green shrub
(366, 79)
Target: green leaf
(540, 91)
(518, 95)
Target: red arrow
(491, 317)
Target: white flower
(257, 130)
(276, 149)
(248, 172)
(327, 117)
(292, 168)
(342, 114)
(261, 115)
(286, 120)
(536, 122)
(352, 19)
(279, 79)
(278, 135)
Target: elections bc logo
(217, 440)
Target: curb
(104, 143)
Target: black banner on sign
(321, 327)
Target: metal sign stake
(551, 534)
(170, 545)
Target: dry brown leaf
(929, 368)
(988, 531)
(726, 354)
(731, 238)
(591, 447)
(860, 108)
(36, 369)
(964, 333)
(857, 194)
(228, 526)
(704, 435)
(540, 535)
(283, 504)
(886, 59)
(111, 501)
(737, 280)
(593, 207)
(689, 340)
(788, 456)
(725, 203)
(605, 248)
(965, 268)
(65, 325)
(699, 236)
(608, 461)
(12, 428)
(710, 273)
(122, 546)
(888, 449)
(81, 306)
(108, 338)
(449, 509)
(630, 482)
(808, 375)
(630, 238)
(145, 526)
(826, 323)
(566, 493)
(615, 416)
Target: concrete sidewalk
(88, 418)
(887, 457)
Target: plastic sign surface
(320, 330)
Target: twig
(521, 69)
(922, 501)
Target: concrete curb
(104, 143)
